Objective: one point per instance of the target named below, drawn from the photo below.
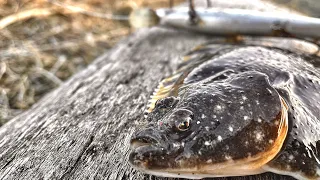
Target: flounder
(234, 110)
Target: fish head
(226, 128)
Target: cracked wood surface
(82, 129)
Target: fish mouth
(141, 142)
(146, 137)
(145, 146)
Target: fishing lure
(229, 21)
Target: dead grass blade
(24, 15)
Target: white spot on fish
(291, 157)
(244, 98)
(230, 128)
(198, 122)
(203, 116)
(182, 144)
(259, 120)
(257, 102)
(207, 143)
(207, 128)
(199, 152)
(228, 157)
(271, 141)
(219, 138)
(176, 144)
(259, 136)
(214, 116)
(209, 161)
(241, 107)
(245, 118)
(218, 109)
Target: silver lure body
(241, 22)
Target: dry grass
(43, 43)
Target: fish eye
(184, 124)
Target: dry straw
(43, 43)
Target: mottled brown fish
(235, 110)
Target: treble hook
(193, 16)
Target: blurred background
(44, 42)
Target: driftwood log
(82, 129)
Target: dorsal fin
(163, 90)
(170, 85)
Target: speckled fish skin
(233, 104)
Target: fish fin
(164, 89)
(170, 85)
